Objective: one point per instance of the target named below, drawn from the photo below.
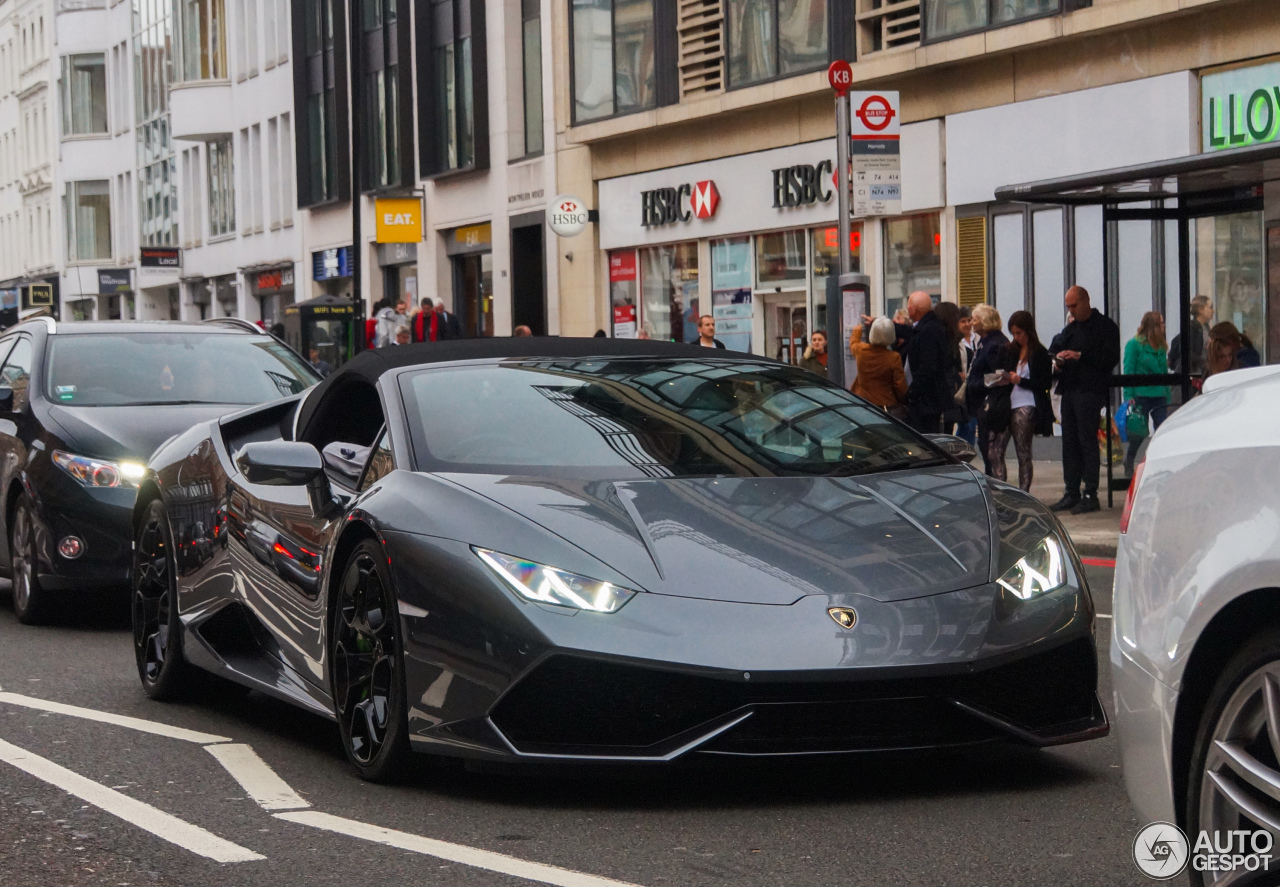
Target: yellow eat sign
(399, 219)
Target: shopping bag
(1135, 422)
(1122, 421)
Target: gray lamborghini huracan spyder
(607, 550)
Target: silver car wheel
(21, 558)
(1240, 786)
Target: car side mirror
(953, 446)
(286, 463)
(6, 399)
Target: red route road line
(1109, 562)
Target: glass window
(731, 297)
(381, 94)
(156, 368)
(826, 267)
(532, 52)
(613, 57)
(780, 259)
(321, 118)
(454, 103)
(84, 94)
(17, 373)
(1003, 11)
(912, 260)
(772, 38)
(222, 194)
(622, 293)
(1010, 264)
(1232, 267)
(949, 18)
(1049, 263)
(381, 463)
(669, 288)
(626, 419)
(88, 213)
(204, 51)
(157, 166)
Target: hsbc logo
(666, 206)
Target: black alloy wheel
(1234, 779)
(31, 602)
(157, 638)
(366, 667)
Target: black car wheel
(31, 602)
(1234, 779)
(366, 667)
(157, 638)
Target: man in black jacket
(925, 358)
(1085, 354)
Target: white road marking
(481, 859)
(144, 816)
(257, 779)
(103, 717)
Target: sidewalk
(1094, 535)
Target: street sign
(568, 216)
(398, 219)
(40, 295)
(874, 143)
(840, 76)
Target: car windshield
(143, 369)
(624, 419)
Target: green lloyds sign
(1240, 107)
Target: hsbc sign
(666, 206)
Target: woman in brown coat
(880, 377)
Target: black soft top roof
(370, 365)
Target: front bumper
(102, 518)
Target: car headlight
(547, 585)
(99, 472)
(1042, 570)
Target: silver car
(1195, 649)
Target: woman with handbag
(1145, 355)
(880, 378)
(1018, 403)
(986, 361)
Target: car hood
(891, 536)
(128, 432)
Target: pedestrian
(986, 361)
(1197, 336)
(1248, 355)
(967, 429)
(815, 356)
(402, 335)
(600, 334)
(420, 327)
(1223, 352)
(643, 334)
(1145, 355)
(521, 332)
(953, 414)
(390, 319)
(707, 332)
(371, 325)
(442, 325)
(318, 363)
(880, 378)
(1087, 352)
(925, 363)
(1019, 403)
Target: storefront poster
(732, 311)
(622, 293)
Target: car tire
(157, 632)
(1239, 733)
(366, 667)
(32, 602)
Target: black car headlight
(1043, 569)
(100, 472)
(548, 585)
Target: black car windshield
(143, 369)
(633, 418)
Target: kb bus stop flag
(875, 128)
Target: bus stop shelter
(1208, 185)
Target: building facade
(721, 110)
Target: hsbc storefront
(750, 240)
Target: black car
(607, 550)
(82, 408)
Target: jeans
(1022, 428)
(968, 431)
(1081, 412)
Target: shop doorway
(786, 325)
(528, 278)
(473, 293)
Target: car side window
(381, 462)
(16, 373)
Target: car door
(18, 427)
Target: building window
(912, 259)
(320, 96)
(775, 38)
(614, 58)
(531, 44)
(204, 45)
(84, 94)
(221, 183)
(157, 166)
(950, 18)
(385, 125)
(88, 214)
(669, 290)
(453, 87)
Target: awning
(1238, 173)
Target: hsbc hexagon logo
(705, 199)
